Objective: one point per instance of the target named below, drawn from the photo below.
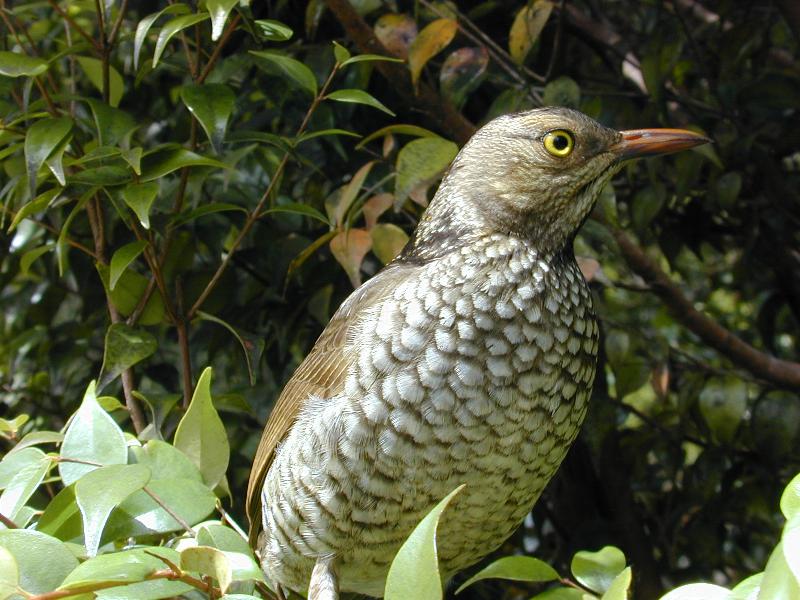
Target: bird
(469, 359)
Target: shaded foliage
(184, 187)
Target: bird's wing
(321, 375)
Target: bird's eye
(558, 142)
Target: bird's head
(537, 175)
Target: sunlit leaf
(42, 560)
(13, 64)
(349, 248)
(618, 590)
(219, 11)
(97, 493)
(139, 197)
(208, 561)
(160, 162)
(93, 68)
(414, 572)
(173, 27)
(387, 241)
(92, 439)
(434, 38)
(41, 140)
(412, 130)
(201, 434)
(274, 31)
(145, 24)
(516, 568)
(126, 566)
(23, 484)
(358, 97)
(421, 162)
(38, 204)
(527, 26)
(122, 258)
(597, 570)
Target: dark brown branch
(779, 372)
(427, 100)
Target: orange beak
(638, 143)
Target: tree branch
(779, 372)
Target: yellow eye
(558, 142)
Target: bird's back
(474, 367)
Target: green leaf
(747, 589)
(274, 31)
(27, 259)
(201, 434)
(91, 437)
(420, 162)
(399, 130)
(23, 484)
(171, 28)
(597, 570)
(212, 105)
(126, 566)
(9, 574)
(323, 132)
(112, 124)
(134, 158)
(790, 499)
(791, 551)
(206, 209)
(14, 462)
(19, 65)
(127, 293)
(43, 561)
(527, 26)
(141, 515)
(145, 24)
(165, 461)
(727, 188)
(348, 193)
(462, 73)
(431, 40)
(106, 175)
(414, 572)
(41, 140)
(252, 345)
(358, 97)
(562, 92)
(293, 69)
(160, 162)
(97, 493)
(388, 240)
(125, 346)
(223, 538)
(723, 403)
(515, 568)
(369, 58)
(618, 590)
(140, 197)
(155, 589)
(94, 72)
(219, 10)
(122, 258)
(563, 593)
(340, 53)
(38, 204)
(61, 518)
(779, 583)
(208, 561)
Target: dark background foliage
(692, 435)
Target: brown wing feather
(322, 375)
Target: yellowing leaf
(430, 41)
(527, 26)
(349, 248)
(396, 32)
(388, 241)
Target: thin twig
(179, 519)
(77, 27)
(218, 48)
(256, 212)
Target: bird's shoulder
(321, 375)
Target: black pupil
(560, 142)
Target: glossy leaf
(412, 130)
(790, 499)
(126, 566)
(122, 258)
(208, 561)
(291, 68)
(9, 574)
(173, 27)
(143, 28)
(124, 347)
(97, 493)
(387, 241)
(421, 162)
(38, 204)
(22, 485)
(219, 11)
(434, 38)
(414, 572)
(252, 346)
(140, 197)
(165, 461)
(779, 583)
(527, 26)
(369, 58)
(41, 140)
(324, 132)
(112, 123)
(13, 64)
(14, 462)
(164, 161)
(274, 31)
(212, 105)
(618, 590)
(358, 97)
(94, 72)
(93, 438)
(223, 538)
(42, 560)
(349, 248)
(597, 570)
(516, 568)
(201, 435)
(747, 589)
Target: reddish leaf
(349, 248)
